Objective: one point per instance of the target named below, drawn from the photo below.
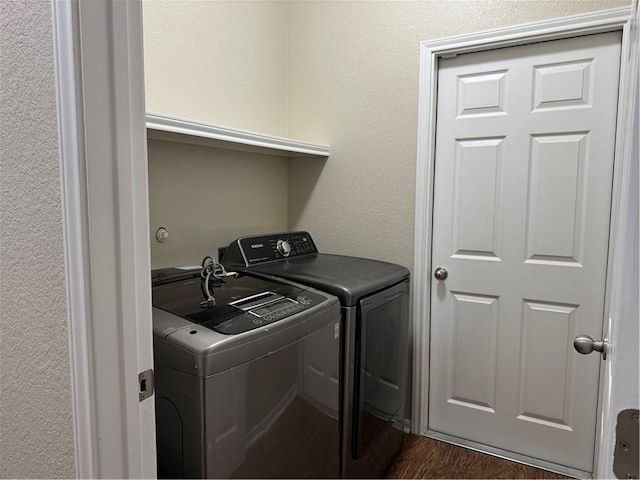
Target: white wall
(221, 62)
(36, 432)
(341, 73)
(199, 195)
(353, 83)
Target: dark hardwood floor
(423, 457)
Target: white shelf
(162, 127)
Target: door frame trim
(105, 213)
(616, 19)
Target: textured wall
(353, 83)
(36, 434)
(221, 62)
(200, 195)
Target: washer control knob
(284, 248)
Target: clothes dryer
(374, 298)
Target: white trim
(74, 216)
(597, 22)
(629, 86)
(163, 127)
(105, 212)
(422, 248)
(553, 29)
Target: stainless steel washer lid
(348, 278)
(192, 339)
(200, 351)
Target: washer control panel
(268, 248)
(273, 308)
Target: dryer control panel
(260, 249)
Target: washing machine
(374, 298)
(246, 376)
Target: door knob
(584, 344)
(441, 273)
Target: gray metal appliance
(246, 384)
(374, 299)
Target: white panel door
(522, 195)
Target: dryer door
(381, 367)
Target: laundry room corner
(301, 118)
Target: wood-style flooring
(423, 457)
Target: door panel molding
(618, 19)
